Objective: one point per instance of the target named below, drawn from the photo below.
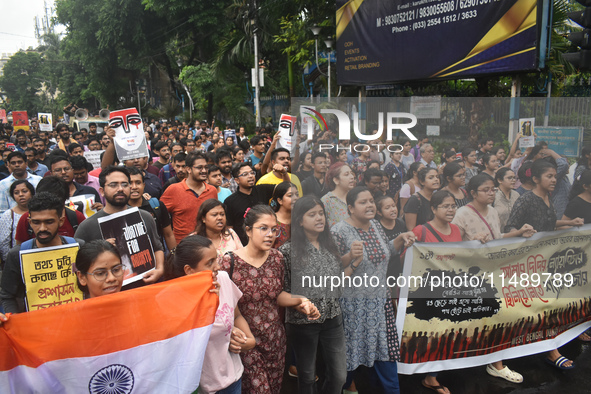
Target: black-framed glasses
(101, 275)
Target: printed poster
(526, 127)
(470, 304)
(48, 276)
(130, 140)
(230, 133)
(286, 130)
(94, 157)
(20, 120)
(45, 121)
(132, 240)
(82, 203)
(3, 118)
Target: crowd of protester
(257, 214)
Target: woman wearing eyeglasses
(480, 221)
(258, 271)
(99, 269)
(439, 229)
(505, 196)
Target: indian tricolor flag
(147, 340)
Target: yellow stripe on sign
(345, 15)
(518, 19)
(487, 62)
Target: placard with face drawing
(130, 140)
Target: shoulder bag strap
(432, 230)
(483, 219)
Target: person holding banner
(580, 198)
(439, 229)
(45, 217)
(368, 313)
(222, 367)
(98, 269)
(536, 209)
(480, 221)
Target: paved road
(539, 377)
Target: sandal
(434, 388)
(559, 363)
(505, 373)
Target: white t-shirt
(221, 368)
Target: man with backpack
(46, 217)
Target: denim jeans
(234, 388)
(329, 336)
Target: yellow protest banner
(48, 276)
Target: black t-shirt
(304, 174)
(578, 208)
(421, 206)
(399, 227)
(238, 203)
(159, 214)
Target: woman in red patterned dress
(257, 270)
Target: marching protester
(116, 189)
(454, 179)
(98, 269)
(470, 158)
(211, 223)
(536, 209)
(479, 220)
(258, 271)
(411, 185)
(506, 196)
(45, 217)
(310, 252)
(222, 367)
(284, 196)
(340, 179)
(368, 314)
(580, 199)
(22, 192)
(183, 199)
(17, 165)
(417, 210)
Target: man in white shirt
(17, 165)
